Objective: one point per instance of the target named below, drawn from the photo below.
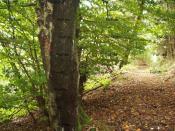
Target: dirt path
(142, 101)
(138, 101)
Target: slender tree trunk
(44, 14)
(44, 22)
(64, 72)
(83, 79)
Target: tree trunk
(64, 72)
(44, 22)
(44, 14)
(82, 80)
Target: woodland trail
(136, 101)
(141, 101)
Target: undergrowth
(98, 80)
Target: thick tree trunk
(64, 73)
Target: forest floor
(141, 101)
(138, 101)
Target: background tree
(20, 51)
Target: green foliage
(21, 65)
(83, 119)
(162, 66)
(7, 114)
(99, 80)
(109, 34)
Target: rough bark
(64, 74)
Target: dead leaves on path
(142, 102)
